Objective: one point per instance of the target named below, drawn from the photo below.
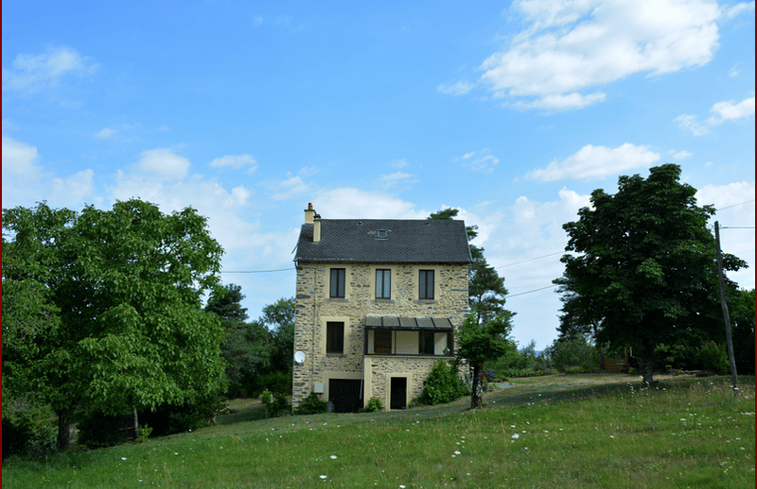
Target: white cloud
(564, 102)
(458, 88)
(571, 46)
(690, 122)
(287, 189)
(106, 133)
(735, 214)
(395, 179)
(25, 181)
(721, 112)
(352, 203)
(72, 190)
(738, 9)
(595, 162)
(480, 161)
(236, 162)
(680, 155)
(163, 165)
(32, 73)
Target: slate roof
(405, 241)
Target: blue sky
(511, 112)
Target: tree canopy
(644, 271)
(103, 309)
(486, 289)
(479, 341)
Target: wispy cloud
(479, 161)
(395, 179)
(595, 162)
(163, 164)
(106, 133)
(458, 88)
(571, 47)
(32, 73)
(721, 112)
(738, 9)
(679, 155)
(236, 162)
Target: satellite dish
(299, 357)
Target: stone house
(377, 303)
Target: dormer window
(381, 234)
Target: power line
(532, 259)
(259, 271)
(734, 205)
(530, 291)
(736, 227)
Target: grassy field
(575, 431)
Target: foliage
(479, 342)
(643, 265)
(312, 404)
(577, 352)
(105, 308)
(741, 310)
(714, 358)
(442, 384)
(144, 433)
(168, 419)
(374, 405)
(97, 430)
(486, 289)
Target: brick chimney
(309, 214)
(312, 218)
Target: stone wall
(314, 309)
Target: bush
(26, 427)
(714, 358)
(442, 385)
(313, 405)
(573, 353)
(374, 405)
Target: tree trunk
(645, 364)
(477, 392)
(64, 431)
(136, 420)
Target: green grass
(574, 431)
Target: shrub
(573, 353)
(374, 405)
(313, 405)
(442, 385)
(714, 358)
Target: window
(383, 284)
(426, 343)
(426, 285)
(334, 337)
(382, 341)
(336, 289)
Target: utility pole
(726, 316)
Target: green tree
(123, 327)
(247, 354)
(478, 342)
(645, 264)
(486, 289)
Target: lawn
(562, 431)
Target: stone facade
(315, 309)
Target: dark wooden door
(398, 395)
(344, 394)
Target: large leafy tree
(486, 289)
(644, 266)
(106, 308)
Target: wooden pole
(726, 316)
